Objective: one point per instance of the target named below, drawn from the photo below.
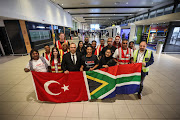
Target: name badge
(127, 55)
(146, 59)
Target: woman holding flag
(89, 61)
(55, 61)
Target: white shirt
(38, 65)
(140, 57)
(56, 65)
(75, 57)
(116, 53)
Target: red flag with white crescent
(60, 87)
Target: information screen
(37, 35)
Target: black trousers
(141, 84)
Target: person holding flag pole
(145, 57)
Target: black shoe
(139, 96)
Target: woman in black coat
(81, 48)
(107, 60)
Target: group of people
(66, 57)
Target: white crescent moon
(46, 85)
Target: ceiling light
(40, 27)
(114, 14)
(152, 3)
(61, 4)
(127, 3)
(117, 3)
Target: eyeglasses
(124, 43)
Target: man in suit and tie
(71, 60)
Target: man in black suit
(71, 60)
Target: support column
(25, 35)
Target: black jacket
(106, 61)
(67, 63)
(102, 53)
(83, 51)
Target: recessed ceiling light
(117, 3)
(127, 3)
(61, 4)
(109, 18)
(152, 3)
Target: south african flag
(107, 82)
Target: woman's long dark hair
(33, 50)
(130, 43)
(79, 46)
(52, 55)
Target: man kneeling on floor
(36, 63)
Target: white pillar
(132, 31)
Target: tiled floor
(161, 97)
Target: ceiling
(105, 12)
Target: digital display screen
(37, 35)
(94, 26)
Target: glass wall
(160, 12)
(154, 13)
(172, 43)
(168, 10)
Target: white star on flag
(65, 87)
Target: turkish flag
(60, 87)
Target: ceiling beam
(112, 7)
(105, 17)
(98, 13)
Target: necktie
(73, 59)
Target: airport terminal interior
(33, 24)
